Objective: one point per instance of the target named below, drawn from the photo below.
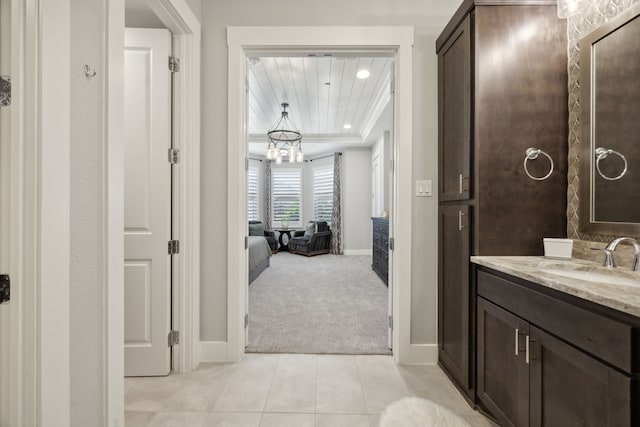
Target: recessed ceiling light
(363, 74)
(347, 126)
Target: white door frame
(180, 20)
(241, 39)
(40, 210)
(185, 28)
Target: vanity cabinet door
(454, 106)
(503, 372)
(569, 388)
(454, 297)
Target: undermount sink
(594, 276)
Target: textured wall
(87, 314)
(596, 13)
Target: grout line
(275, 372)
(364, 395)
(315, 399)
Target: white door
(390, 195)
(376, 202)
(5, 135)
(147, 216)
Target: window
(323, 193)
(286, 200)
(253, 195)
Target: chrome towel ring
(603, 153)
(532, 154)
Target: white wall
(428, 17)
(87, 316)
(356, 200)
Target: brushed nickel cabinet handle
(516, 345)
(526, 357)
(460, 215)
(461, 179)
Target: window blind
(286, 197)
(323, 193)
(253, 195)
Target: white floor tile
(339, 388)
(138, 419)
(248, 387)
(288, 390)
(233, 419)
(179, 419)
(381, 382)
(287, 420)
(342, 420)
(294, 385)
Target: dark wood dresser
(380, 263)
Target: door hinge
(392, 87)
(392, 243)
(174, 247)
(390, 165)
(174, 338)
(174, 64)
(5, 91)
(246, 320)
(391, 322)
(246, 242)
(5, 288)
(246, 164)
(174, 156)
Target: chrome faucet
(608, 252)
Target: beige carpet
(323, 304)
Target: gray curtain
(267, 195)
(336, 218)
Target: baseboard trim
(420, 354)
(213, 351)
(358, 252)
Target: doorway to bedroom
(319, 205)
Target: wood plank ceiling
(328, 103)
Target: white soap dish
(558, 248)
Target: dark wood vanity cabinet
(540, 359)
(502, 88)
(380, 245)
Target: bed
(259, 254)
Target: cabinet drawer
(597, 334)
(381, 228)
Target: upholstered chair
(314, 240)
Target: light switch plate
(423, 188)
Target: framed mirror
(610, 117)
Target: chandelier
(284, 139)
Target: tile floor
(271, 390)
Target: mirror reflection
(611, 59)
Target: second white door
(147, 264)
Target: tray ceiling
(324, 95)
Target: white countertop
(622, 297)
